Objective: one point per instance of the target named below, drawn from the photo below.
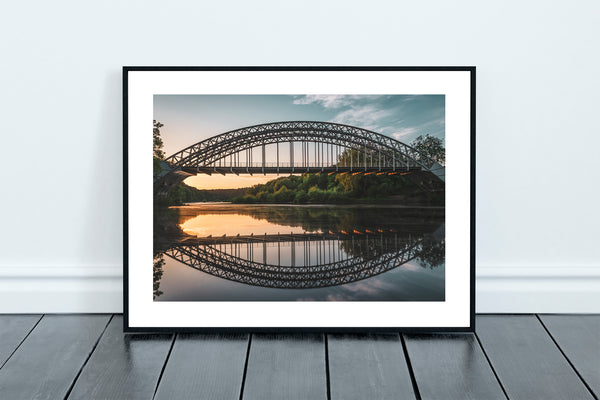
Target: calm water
(227, 252)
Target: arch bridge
(298, 147)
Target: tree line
(333, 189)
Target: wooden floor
(510, 356)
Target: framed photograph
(299, 198)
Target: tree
(157, 273)
(157, 144)
(431, 146)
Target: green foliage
(183, 193)
(432, 252)
(156, 166)
(431, 147)
(301, 197)
(157, 144)
(330, 189)
(157, 273)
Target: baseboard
(46, 289)
(504, 289)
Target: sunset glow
(217, 181)
(232, 225)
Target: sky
(189, 119)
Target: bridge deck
(510, 356)
(256, 170)
(293, 237)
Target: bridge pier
(263, 158)
(292, 155)
(293, 253)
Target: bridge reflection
(303, 261)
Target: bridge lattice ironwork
(388, 152)
(214, 261)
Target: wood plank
(205, 367)
(451, 366)
(286, 366)
(579, 338)
(526, 360)
(13, 329)
(46, 364)
(369, 366)
(123, 366)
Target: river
(230, 252)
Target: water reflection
(157, 273)
(312, 252)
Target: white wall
(538, 102)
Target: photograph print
(298, 198)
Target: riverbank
(216, 205)
(340, 189)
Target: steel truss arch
(209, 151)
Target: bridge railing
(289, 165)
(270, 165)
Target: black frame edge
(312, 329)
(126, 327)
(472, 320)
(473, 197)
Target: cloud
(367, 111)
(367, 116)
(327, 101)
(338, 297)
(401, 117)
(402, 132)
(433, 127)
(370, 286)
(331, 100)
(411, 266)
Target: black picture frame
(128, 327)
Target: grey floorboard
(579, 338)
(13, 329)
(205, 367)
(123, 366)
(368, 367)
(46, 364)
(286, 366)
(449, 367)
(526, 360)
